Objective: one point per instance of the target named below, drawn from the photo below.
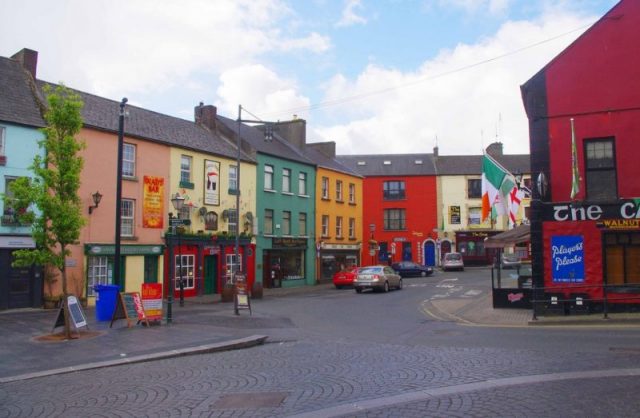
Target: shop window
(98, 272)
(232, 264)
(339, 191)
(302, 184)
(286, 223)
(302, 224)
(394, 219)
(184, 269)
(393, 190)
(325, 226)
(268, 222)
(325, 188)
(622, 258)
(474, 188)
(127, 217)
(286, 180)
(600, 170)
(268, 177)
(128, 160)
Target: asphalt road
(338, 353)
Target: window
(339, 190)
(128, 160)
(184, 271)
(474, 216)
(233, 179)
(302, 184)
(127, 217)
(393, 190)
(286, 180)
(2, 146)
(622, 258)
(185, 212)
(185, 169)
(302, 224)
(98, 270)
(232, 264)
(600, 170)
(325, 225)
(232, 222)
(394, 219)
(325, 188)
(352, 228)
(339, 227)
(286, 223)
(268, 221)
(352, 193)
(474, 188)
(268, 177)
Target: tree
(53, 190)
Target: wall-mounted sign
(567, 259)
(211, 182)
(289, 242)
(152, 202)
(454, 215)
(629, 209)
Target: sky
(376, 77)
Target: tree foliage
(49, 200)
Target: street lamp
(116, 261)
(372, 243)
(178, 202)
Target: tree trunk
(65, 296)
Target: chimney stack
(293, 131)
(327, 148)
(28, 58)
(205, 115)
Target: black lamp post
(97, 197)
(116, 262)
(178, 203)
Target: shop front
(337, 257)
(471, 245)
(20, 287)
(285, 263)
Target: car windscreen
(453, 256)
(369, 270)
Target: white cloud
(349, 14)
(494, 7)
(462, 108)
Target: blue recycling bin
(105, 301)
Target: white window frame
(352, 228)
(325, 225)
(286, 222)
(268, 177)
(338, 226)
(127, 218)
(97, 272)
(231, 266)
(186, 164)
(233, 177)
(339, 190)
(286, 180)
(302, 184)
(325, 187)
(232, 222)
(129, 160)
(352, 193)
(268, 221)
(302, 224)
(184, 269)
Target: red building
(399, 207)
(588, 244)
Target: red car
(345, 277)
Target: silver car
(452, 261)
(377, 278)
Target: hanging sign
(152, 202)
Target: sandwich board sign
(241, 296)
(129, 307)
(75, 312)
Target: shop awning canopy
(521, 233)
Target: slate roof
(324, 161)
(17, 103)
(452, 165)
(398, 164)
(278, 147)
(101, 113)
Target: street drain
(250, 400)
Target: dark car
(411, 269)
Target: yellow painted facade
(194, 190)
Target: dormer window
(418, 162)
(362, 163)
(386, 162)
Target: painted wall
(421, 207)
(335, 208)
(279, 202)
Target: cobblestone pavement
(324, 378)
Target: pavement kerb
(239, 343)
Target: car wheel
(338, 287)
(400, 285)
(358, 290)
(385, 289)
(423, 273)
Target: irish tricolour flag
(499, 190)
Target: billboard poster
(211, 182)
(567, 259)
(454, 215)
(152, 202)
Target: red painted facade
(595, 82)
(420, 204)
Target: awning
(521, 233)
